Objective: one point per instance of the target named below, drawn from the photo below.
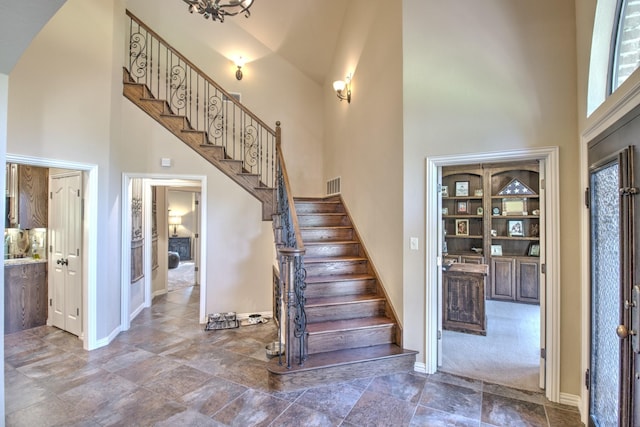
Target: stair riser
(355, 338)
(334, 268)
(326, 234)
(322, 220)
(335, 289)
(344, 311)
(341, 373)
(317, 207)
(351, 249)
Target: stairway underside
(352, 330)
(141, 96)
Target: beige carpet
(507, 355)
(182, 276)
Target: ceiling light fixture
(218, 9)
(340, 86)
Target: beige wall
(490, 76)
(65, 102)
(363, 140)
(271, 87)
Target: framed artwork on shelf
(514, 206)
(462, 188)
(445, 211)
(479, 211)
(478, 192)
(462, 208)
(462, 227)
(515, 228)
(444, 191)
(534, 249)
(496, 250)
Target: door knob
(623, 332)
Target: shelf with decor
(491, 214)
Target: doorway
(549, 320)
(89, 238)
(613, 290)
(199, 251)
(183, 207)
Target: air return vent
(333, 186)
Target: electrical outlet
(414, 243)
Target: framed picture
(514, 206)
(479, 211)
(445, 211)
(462, 188)
(478, 192)
(462, 227)
(534, 249)
(515, 228)
(444, 191)
(462, 208)
(496, 250)
(496, 211)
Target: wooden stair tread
(345, 258)
(349, 324)
(322, 214)
(338, 278)
(315, 227)
(330, 242)
(342, 357)
(343, 299)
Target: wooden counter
(25, 295)
(463, 297)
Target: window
(625, 57)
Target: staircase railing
(208, 107)
(289, 289)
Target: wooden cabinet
(464, 295)
(515, 279)
(27, 196)
(25, 296)
(181, 245)
(493, 211)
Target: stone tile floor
(167, 371)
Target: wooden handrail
(285, 178)
(200, 72)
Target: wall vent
(333, 186)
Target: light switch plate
(414, 243)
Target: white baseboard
(571, 400)
(420, 367)
(106, 341)
(136, 312)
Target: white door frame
(434, 261)
(151, 179)
(90, 238)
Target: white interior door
(196, 236)
(542, 277)
(65, 261)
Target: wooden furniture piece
(463, 295)
(27, 201)
(181, 245)
(25, 294)
(483, 218)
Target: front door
(614, 303)
(65, 261)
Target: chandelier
(218, 9)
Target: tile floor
(167, 371)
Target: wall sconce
(340, 86)
(175, 220)
(239, 63)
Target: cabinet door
(464, 302)
(503, 276)
(25, 297)
(528, 280)
(32, 195)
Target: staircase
(179, 125)
(345, 327)
(352, 329)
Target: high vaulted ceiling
(303, 32)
